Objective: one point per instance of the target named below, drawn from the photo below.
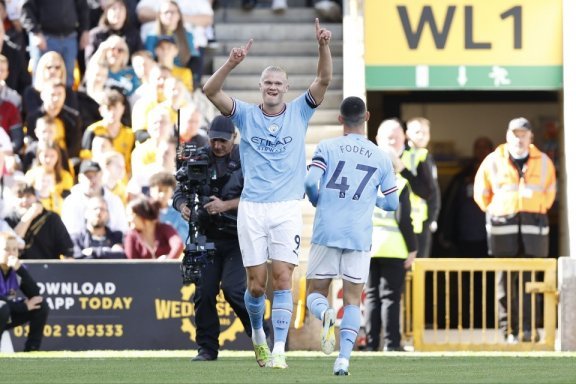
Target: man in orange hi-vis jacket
(516, 186)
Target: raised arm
(213, 87)
(324, 71)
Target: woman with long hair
(170, 22)
(148, 238)
(50, 180)
(114, 21)
(50, 69)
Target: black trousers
(227, 273)
(382, 304)
(515, 292)
(36, 319)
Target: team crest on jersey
(273, 128)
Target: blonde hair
(45, 59)
(273, 68)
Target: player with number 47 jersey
(353, 170)
(342, 183)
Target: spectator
(428, 210)
(90, 185)
(154, 95)
(8, 94)
(166, 52)
(91, 93)
(142, 63)
(146, 155)
(169, 22)
(111, 109)
(101, 145)
(198, 17)
(516, 186)
(10, 102)
(176, 97)
(162, 186)
(18, 76)
(164, 161)
(114, 52)
(44, 233)
(50, 69)
(191, 131)
(114, 174)
(10, 18)
(45, 132)
(462, 225)
(51, 181)
(56, 25)
(98, 241)
(16, 310)
(113, 21)
(68, 125)
(148, 238)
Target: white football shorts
(269, 231)
(331, 263)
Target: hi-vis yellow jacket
(516, 205)
(411, 157)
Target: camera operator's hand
(184, 211)
(216, 206)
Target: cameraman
(216, 217)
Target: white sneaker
(279, 6)
(328, 340)
(341, 367)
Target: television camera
(193, 177)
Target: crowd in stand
(90, 92)
(89, 95)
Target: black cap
(89, 166)
(165, 38)
(221, 128)
(519, 123)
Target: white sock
(279, 348)
(258, 336)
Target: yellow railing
(443, 311)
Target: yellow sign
(456, 32)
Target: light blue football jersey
(272, 149)
(354, 169)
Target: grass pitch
(174, 367)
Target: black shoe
(203, 356)
(394, 349)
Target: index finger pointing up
(248, 45)
(317, 25)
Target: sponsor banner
(443, 44)
(122, 305)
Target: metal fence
(458, 304)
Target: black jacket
(55, 17)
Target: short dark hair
(23, 189)
(145, 208)
(163, 179)
(353, 110)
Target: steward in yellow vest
(393, 251)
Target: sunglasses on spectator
(118, 49)
(49, 67)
